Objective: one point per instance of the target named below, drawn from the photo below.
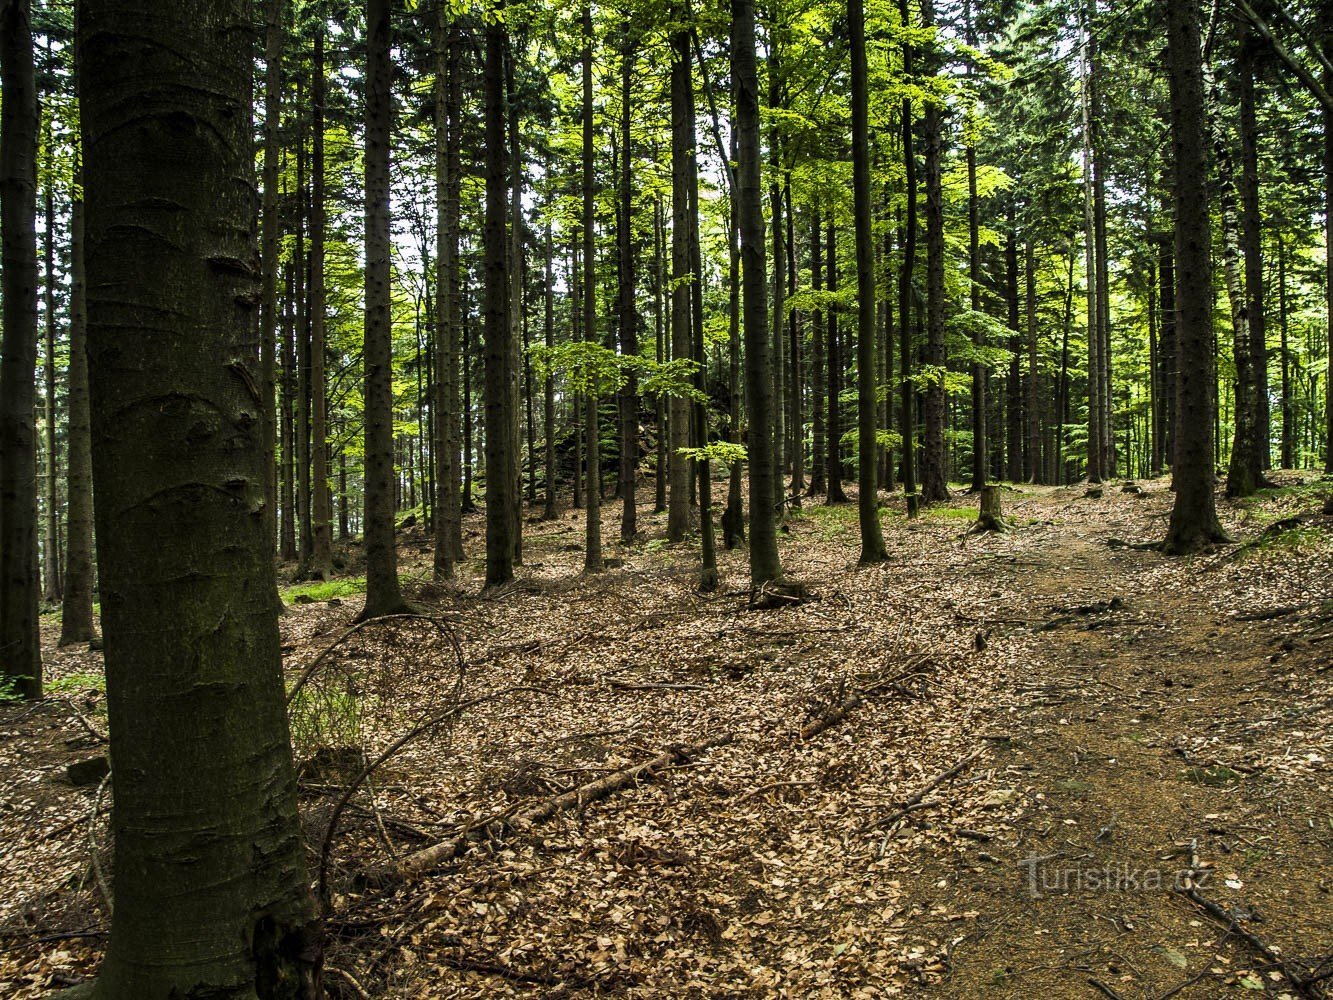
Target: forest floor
(1017, 765)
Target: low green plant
(325, 590)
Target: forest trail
(1037, 694)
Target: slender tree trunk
(765, 564)
(659, 333)
(833, 356)
(383, 596)
(818, 377)
(76, 614)
(1194, 521)
(499, 437)
(320, 566)
(274, 38)
(708, 576)
(516, 314)
(1013, 456)
(211, 895)
(19, 582)
(287, 533)
(53, 586)
(1096, 456)
(1288, 437)
(867, 425)
(796, 379)
(733, 519)
(1327, 19)
(980, 460)
(301, 449)
(592, 557)
(935, 473)
(682, 147)
(629, 316)
(1166, 274)
(1252, 236)
(1033, 384)
(551, 511)
(448, 170)
(779, 261)
(906, 287)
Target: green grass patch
(74, 683)
(324, 591)
(951, 513)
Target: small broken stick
(914, 801)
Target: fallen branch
(578, 798)
(913, 801)
(1299, 982)
(858, 698)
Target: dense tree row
(531, 255)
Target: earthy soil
(1055, 736)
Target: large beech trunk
(211, 897)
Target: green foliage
(325, 590)
(726, 452)
(76, 682)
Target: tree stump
(990, 516)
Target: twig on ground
(914, 801)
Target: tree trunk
(1033, 385)
(629, 316)
(779, 263)
(834, 363)
(274, 38)
(765, 563)
(52, 588)
(980, 458)
(906, 287)
(1096, 456)
(818, 377)
(1194, 521)
(1252, 236)
(499, 438)
(1288, 435)
(320, 566)
(287, 426)
(935, 473)
(682, 147)
(661, 351)
(211, 896)
(733, 518)
(551, 511)
(592, 556)
(872, 535)
(383, 596)
(448, 171)
(21, 665)
(1013, 456)
(76, 614)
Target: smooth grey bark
(934, 465)
(592, 554)
(678, 407)
(765, 563)
(21, 666)
(211, 896)
(907, 287)
(383, 595)
(872, 534)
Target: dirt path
(1151, 731)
